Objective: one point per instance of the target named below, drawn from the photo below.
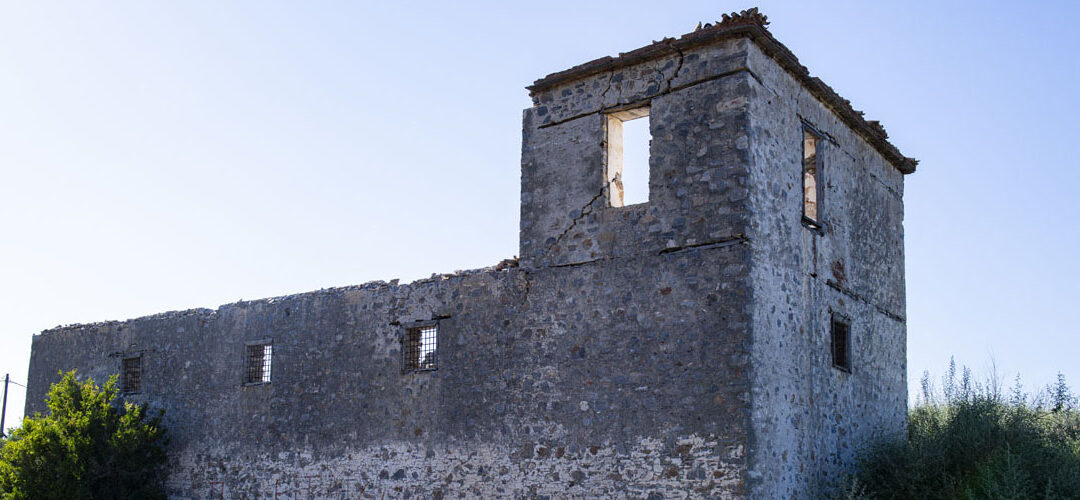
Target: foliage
(86, 447)
(974, 443)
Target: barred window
(131, 368)
(257, 365)
(841, 343)
(421, 348)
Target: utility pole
(3, 411)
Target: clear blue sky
(167, 155)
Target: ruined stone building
(737, 332)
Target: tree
(88, 446)
(1018, 398)
(1060, 396)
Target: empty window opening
(257, 364)
(841, 343)
(627, 172)
(131, 382)
(422, 348)
(811, 178)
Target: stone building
(738, 332)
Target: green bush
(974, 444)
(86, 447)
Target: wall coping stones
(205, 313)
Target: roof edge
(502, 266)
(750, 24)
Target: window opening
(422, 348)
(131, 381)
(627, 172)
(257, 366)
(812, 186)
(841, 343)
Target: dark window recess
(257, 365)
(841, 344)
(132, 375)
(422, 348)
(812, 183)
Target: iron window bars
(131, 368)
(258, 362)
(841, 343)
(421, 349)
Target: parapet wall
(698, 154)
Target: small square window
(257, 363)
(811, 175)
(627, 170)
(421, 348)
(841, 343)
(131, 382)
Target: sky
(159, 156)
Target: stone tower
(738, 331)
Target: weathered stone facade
(671, 349)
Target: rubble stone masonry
(678, 348)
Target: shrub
(86, 447)
(973, 444)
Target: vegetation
(975, 443)
(88, 446)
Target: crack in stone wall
(584, 212)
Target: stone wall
(577, 381)
(808, 415)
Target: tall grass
(971, 442)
